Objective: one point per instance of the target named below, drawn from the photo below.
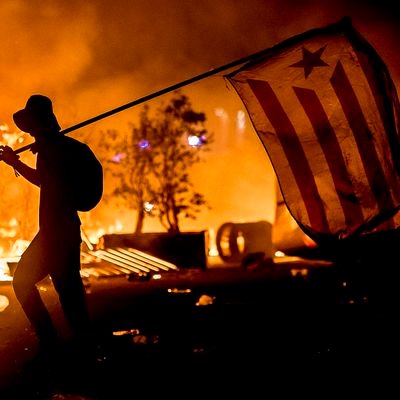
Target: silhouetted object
(87, 185)
(253, 260)
(55, 250)
(235, 240)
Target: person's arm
(11, 158)
(27, 172)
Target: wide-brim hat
(37, 116)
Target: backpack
(87, 184)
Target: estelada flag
(327, 112)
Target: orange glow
(212, 246)
(4, 302)
(88, 72)
(4, 271)
(126, 332)
(205, 300)
(309, 242)
(176, 290)
(299, 272)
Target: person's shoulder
(71, 141)
(74, 144)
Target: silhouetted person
(55, 250)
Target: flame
(13, 255)
(19, 247)
(10, 230)
(91, 238)
(94, 235)
(11, 139)
(4, 303)
(212, 244)
(4, 270)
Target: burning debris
(18, 223)
(4, 303)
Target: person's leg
(72, 298)
(68, 283)
(31, 269)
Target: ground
(293, 327)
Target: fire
(9, 230)
(19, 247)
(13, 229)
(11, 138)
(212, 245)
(4, 270)
(92, 240)
(94, 236)
(10, 246)
(11, 256)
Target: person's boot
(49, 354)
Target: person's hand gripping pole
(9, 156)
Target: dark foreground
(268, 331)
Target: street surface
(289, 327)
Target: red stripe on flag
(363, 138)
(386, 104)
(294, 153)
(333, 154)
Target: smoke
(91, 56)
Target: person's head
(37, 118)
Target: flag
(327, 113)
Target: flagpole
(155, 94)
